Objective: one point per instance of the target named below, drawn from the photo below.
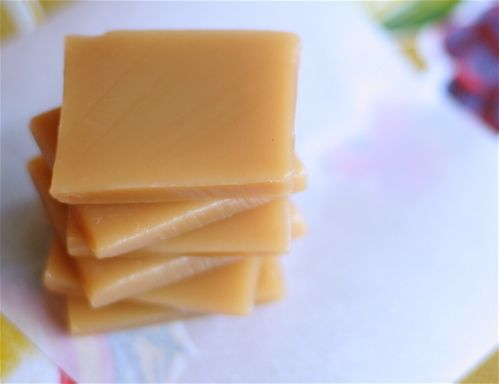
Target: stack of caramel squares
(167, 173)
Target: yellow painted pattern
(7, 24)
(486, 372)
(408, 44)
(13, 345)
(21, 16)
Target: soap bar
(44, 128)
(229, 289)
(139, 103)
(83, 319)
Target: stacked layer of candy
(166, 175)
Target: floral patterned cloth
(475, 50)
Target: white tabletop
(397, 279)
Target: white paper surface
(397, 280)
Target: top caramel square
(157, 116)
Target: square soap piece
(155, 116)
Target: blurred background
(397, 122)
